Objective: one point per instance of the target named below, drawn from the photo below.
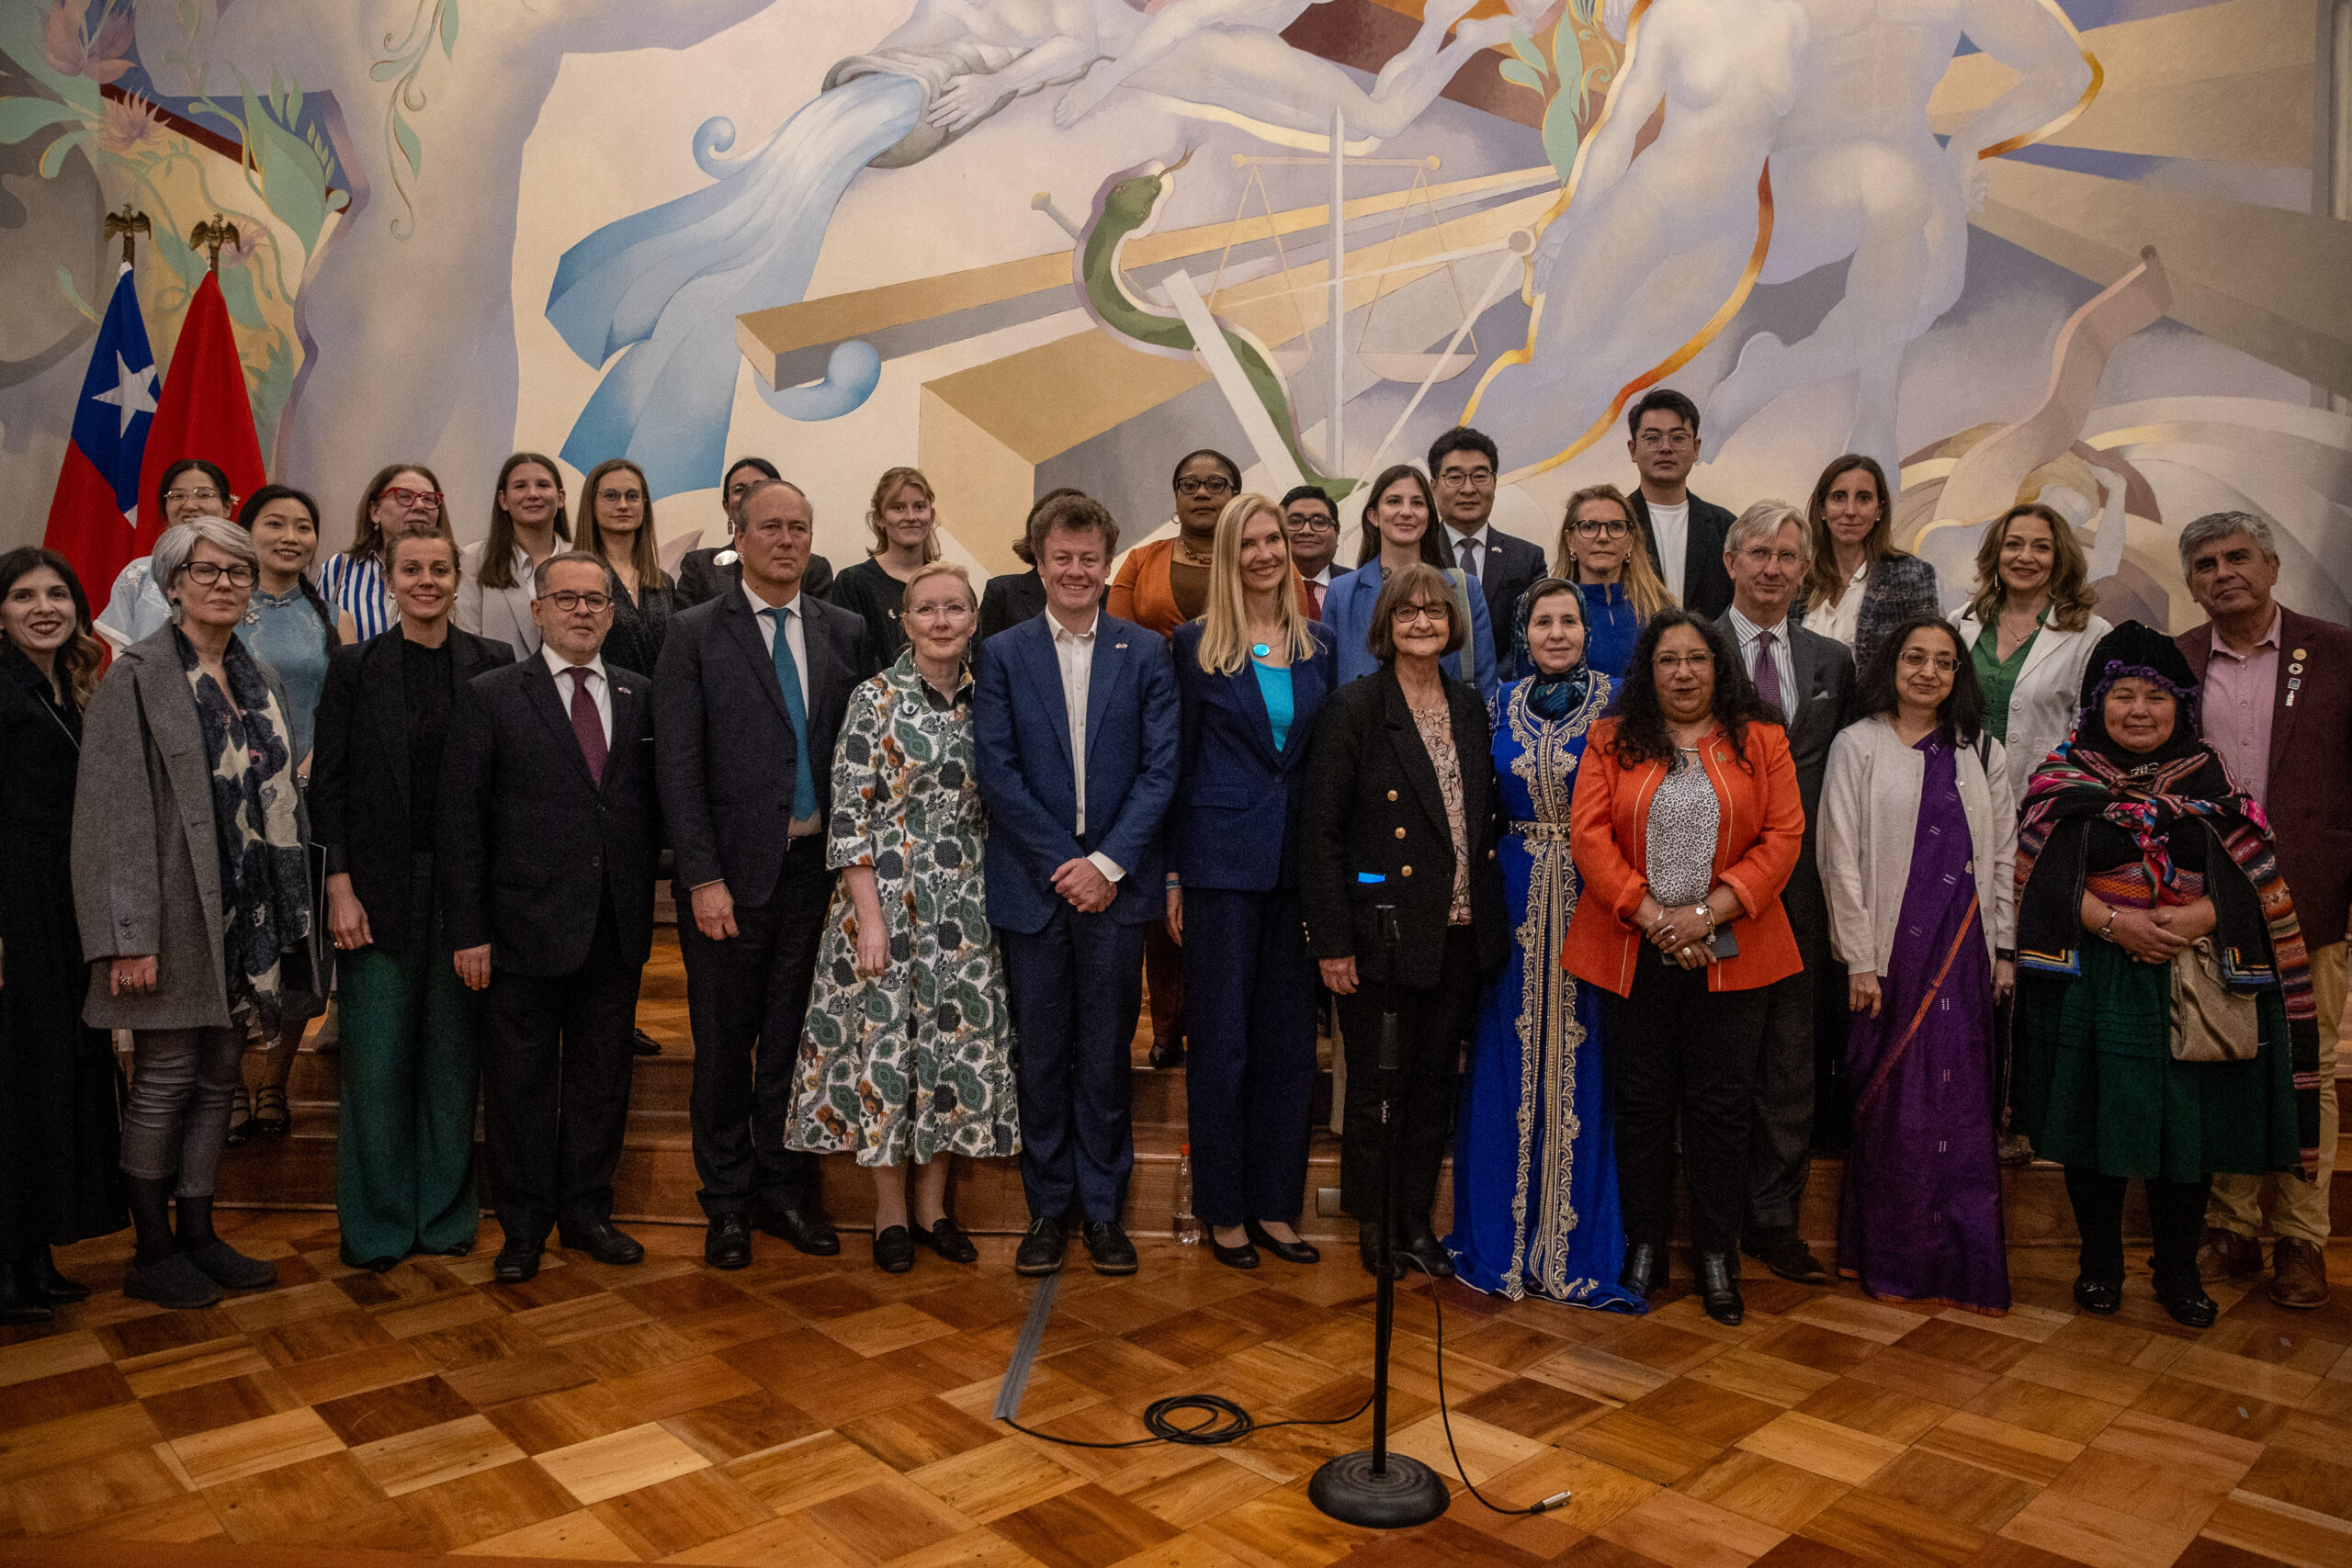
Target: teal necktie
(787, 675)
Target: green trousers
(410, 1069)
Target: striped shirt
(358, 586)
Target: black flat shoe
(602, 1241)
(1422, 1250)
(807, 1231)
(372, 1265)
(455, 1249)
(1166, 1054)
(1368, 1250)
(517, 1260)
(55, 1288)
(643, 1044)
(727, 1242)
(2191, 1308)
(1645, 1270)
(894, 1251)
(172, 1281)
(1108, 1246)
(240, 1122)
(271, 1119)
(1041, 1249)
(1719, 1288)
(1785, 1254)
(949, 1241)
(1242, 1257)
(2093, 1295)
(1288, 1251)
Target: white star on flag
(131, 392)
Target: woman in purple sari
(1918, 843)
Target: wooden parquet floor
(819, 1413)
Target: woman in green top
(2030, 628)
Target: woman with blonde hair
(904, 521)
(1602, 552)
(1252, 674)
(403, 499)
(617, 527)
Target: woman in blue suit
(1398, 513)
(1250, 675)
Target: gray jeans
(182, 1084)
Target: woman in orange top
(1165, 583)
(1686, 824)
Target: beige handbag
(2211, 1022)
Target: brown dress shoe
(2225, 1255)
(2299, 1277)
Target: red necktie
(586, 724)
(1313, 601)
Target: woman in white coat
(1918, 847)
(2030, 629)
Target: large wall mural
(2089, 251)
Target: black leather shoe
(1719, 1288)
(1242, 1257)
(55, 1287)
(517, 1260)
(1645, 1270)
(1167, 1053)
(727, 1242)
(807, 1229)
(1785, 1254)
(2191, 1308)
(643, 1044)
(1108, 1245)
(602, 1243)
(1288, 1251)
(1041, 1250)
(894, 1251)
(1422, 1249)
(949, 1241)
(384, 1265)
(455, 1249)
(2095, 1296)
(1368, 1249)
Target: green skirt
(2098, 1087)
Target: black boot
(56, 1288)
(159, 1271)
(20, 1295)
(1719, 1287)
(220, 1262)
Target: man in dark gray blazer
(1810, 679)
(549, 835)
(1683, 533)
(1464, 464)
(752, 690)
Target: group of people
(1594, 832)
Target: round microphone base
(1408, 1494)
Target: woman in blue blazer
(1400, 515)
(1250, 675)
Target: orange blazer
(1756, 849)
(1142, 593)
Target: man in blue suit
(1074, 722)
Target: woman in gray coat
(192, 888)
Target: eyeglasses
(1216, 484)
(1764, 555)
(206, 573)
(1310, 522)
(1467, 478)
(568, 600)
(400, 495)
(620, 497)
(1651, 440)
(1667, 663)
(1920, 658)
(1600, 528)
(185, 497)
(1421, 614)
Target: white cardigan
(2042, 703)
(501, 614)
(1870, 815)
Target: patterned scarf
(265, 870)
(1552, 697)
(2146, 801)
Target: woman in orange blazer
(1686, 824)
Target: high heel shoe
(1288, 1251)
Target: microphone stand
(1374, 1488)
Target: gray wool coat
(146, 868)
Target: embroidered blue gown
(1534, 1170)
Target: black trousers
(1250, 1075)
(1430, 1024)
(1779, 1145)
(555, 1086)
(747, 997)
(1075, 988)
(2175, 1218)
(1682, 1059)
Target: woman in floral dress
(907, 1054)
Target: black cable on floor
(1546, 1505)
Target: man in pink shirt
(2276, 702)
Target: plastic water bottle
(1186, 1226)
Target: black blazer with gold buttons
(1376, 833)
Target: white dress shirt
(1783, 664)
(600, 690)
(1471, 551)
(796, 633)
(1845, 618)
(1672, 526)
(1074, 652)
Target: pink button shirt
(2241, 694)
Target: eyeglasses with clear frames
(190, 497)
(1764, 555)
(1466, 479)
(1651, 440)
(620, 497)
(1667, 663)
(1920, 659)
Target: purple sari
(1920, 1217)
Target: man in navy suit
(1462, 466)
(754, 686)
(549, 835)
(1074, 722)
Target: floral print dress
(917, 1061)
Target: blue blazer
(1347, 610)
(1020, 744)
(1236, 821)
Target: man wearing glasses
(1312, 523)
(549, 835)
(1464, 463)
(1685, 535)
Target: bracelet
(1703, 907)
(2107, 931)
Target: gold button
(1392, 794)
(1400, 832)
(1490, 854)
(1408, 871)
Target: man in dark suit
(704, 574)
(1684, 534)
(1463, 464)
(754, 686)
(1811, 680)
(2276, 702)
(549, 834)
(1074, 726)
(1311, 524)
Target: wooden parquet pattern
(819, 1413)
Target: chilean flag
(97, 488)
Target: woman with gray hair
(192, 886)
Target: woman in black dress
(906, 539)
(62, 1132)
(617, 527)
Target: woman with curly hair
(1686, 824)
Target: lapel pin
(1119, 645)
(2300, 654)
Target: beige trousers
(2296, 1209)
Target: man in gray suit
(1810, 679)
